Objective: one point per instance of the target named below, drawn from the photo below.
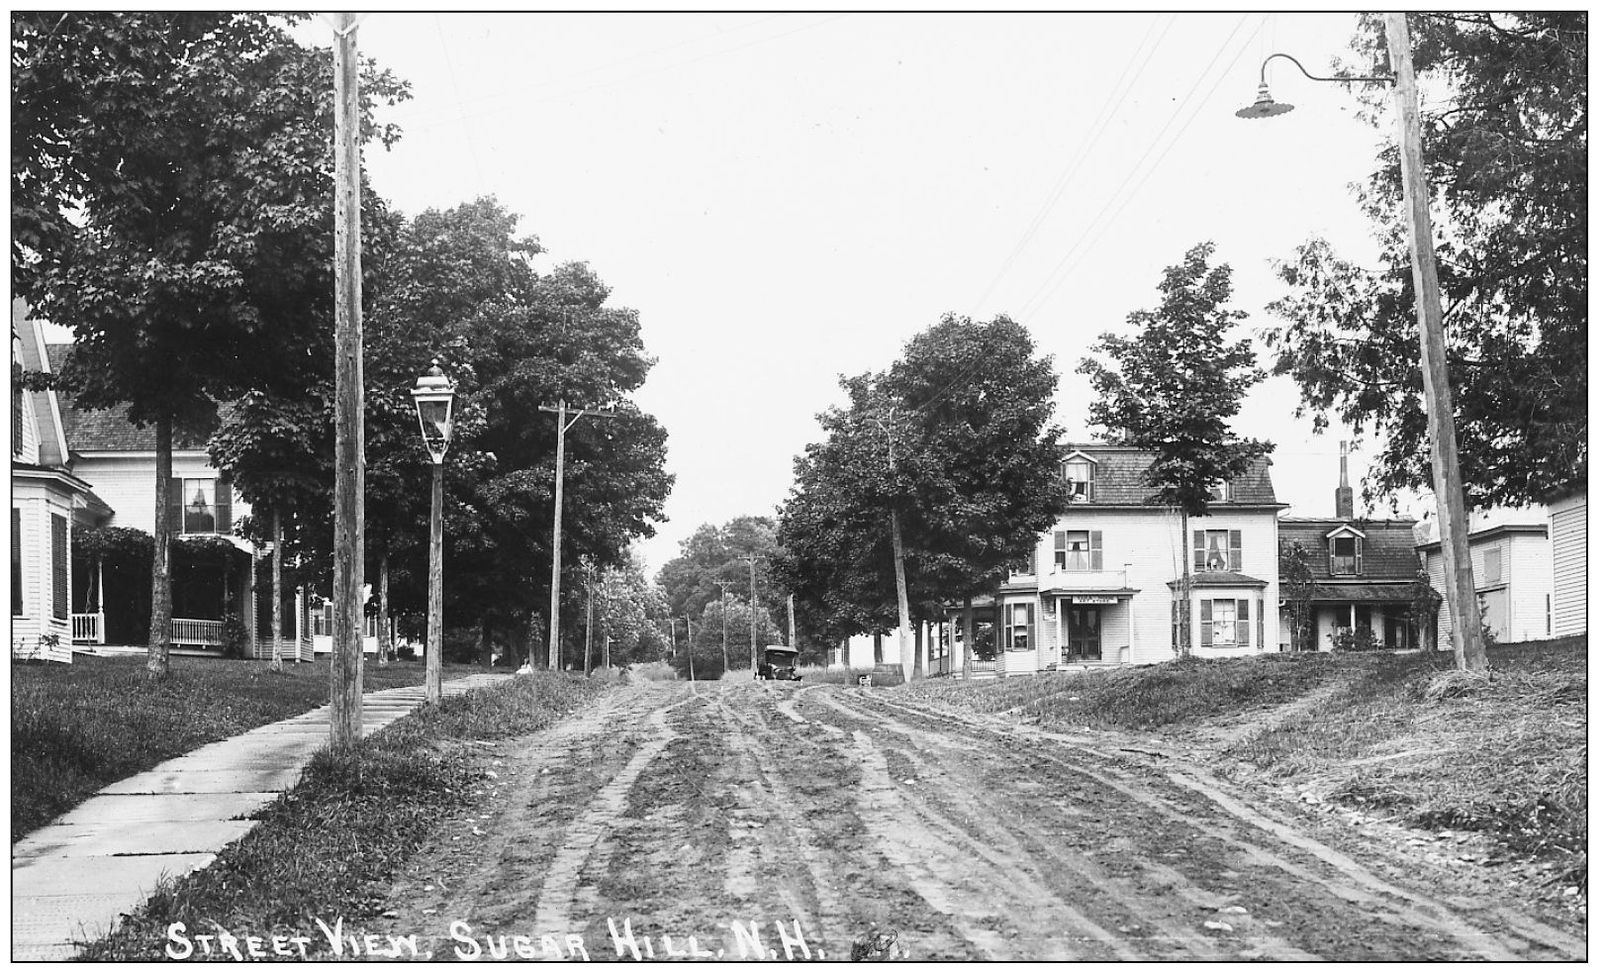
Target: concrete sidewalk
(73, 879)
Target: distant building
(1102, 587)
(1566, 529)
(1364, 575)
(1512, 562)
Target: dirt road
(740, 820)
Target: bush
(1354, 638)
(405, 652)
(654, 671)
(236, 637)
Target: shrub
(405, 652)
(1354, 638)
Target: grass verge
(76, 728)
(328, 846)
(1404, 736)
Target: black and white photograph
(822, 484)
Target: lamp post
(1448, 484)
(433, 394)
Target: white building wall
(1527, 577)
(1567, 530)
(127, 483)
(1528, 561)
(37, 503)
(1151, 543)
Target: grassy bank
(76, 728)
(1399, 735)
(323, 847)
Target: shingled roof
(108, 429)
(1120, 472)
(1388, 547)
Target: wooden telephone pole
(345, 672)
(563, 424)
(1449, 485)
(751, 562)
(723, 603)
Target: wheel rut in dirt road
(1342, 910)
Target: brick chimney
(1344, 492)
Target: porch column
(249, 610)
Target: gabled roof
(1120, 472)
(108, 429)
(1388, 546)
(1218, 577)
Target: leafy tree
(174, 211)
(1506, 151)
(714, 553)
(1172, 389)
(1297, 590)
(633, 613)
(707, 639)
(950, 453)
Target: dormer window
(1080, 473)
(1346, 552)
(1220, 492)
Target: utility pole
(345, 671)
(723, 602)
(589, 612)
(790, 610)
(751, 562)
(904, 618)
(563, 424)
(1468, 649)
(690, 646)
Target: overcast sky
(785, 198)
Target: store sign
(1078, 600)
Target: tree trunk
(278, 592)
(904, 618)
(1183, 637)
(879, 649)
(968, 636)
(590, 615)
(486, 648)
(386, 636)
(918, 650)
(157, 661)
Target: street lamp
(1268, 107)
(1448, 484)
(433, 394)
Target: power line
(1136, 191)
(1055, 277)
(1098, 126)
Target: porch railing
(89, 627)
(197, 633)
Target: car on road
(779, 663)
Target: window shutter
(58, 566)
(1358, 556)
(1235, 550)
(1090, 485)
(225, 504)
(1332, 557)
(1029, 624)
(1174, 623)
(16, 561)
(1096, 550)
(1206, 640)
(175, 504)
(1243, 622)
(1199, 552)
(1262, 607)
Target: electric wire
(1057, 275)
(1098, 126)
(1157, 163)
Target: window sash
(1216, 550)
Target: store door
(1082, 634)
